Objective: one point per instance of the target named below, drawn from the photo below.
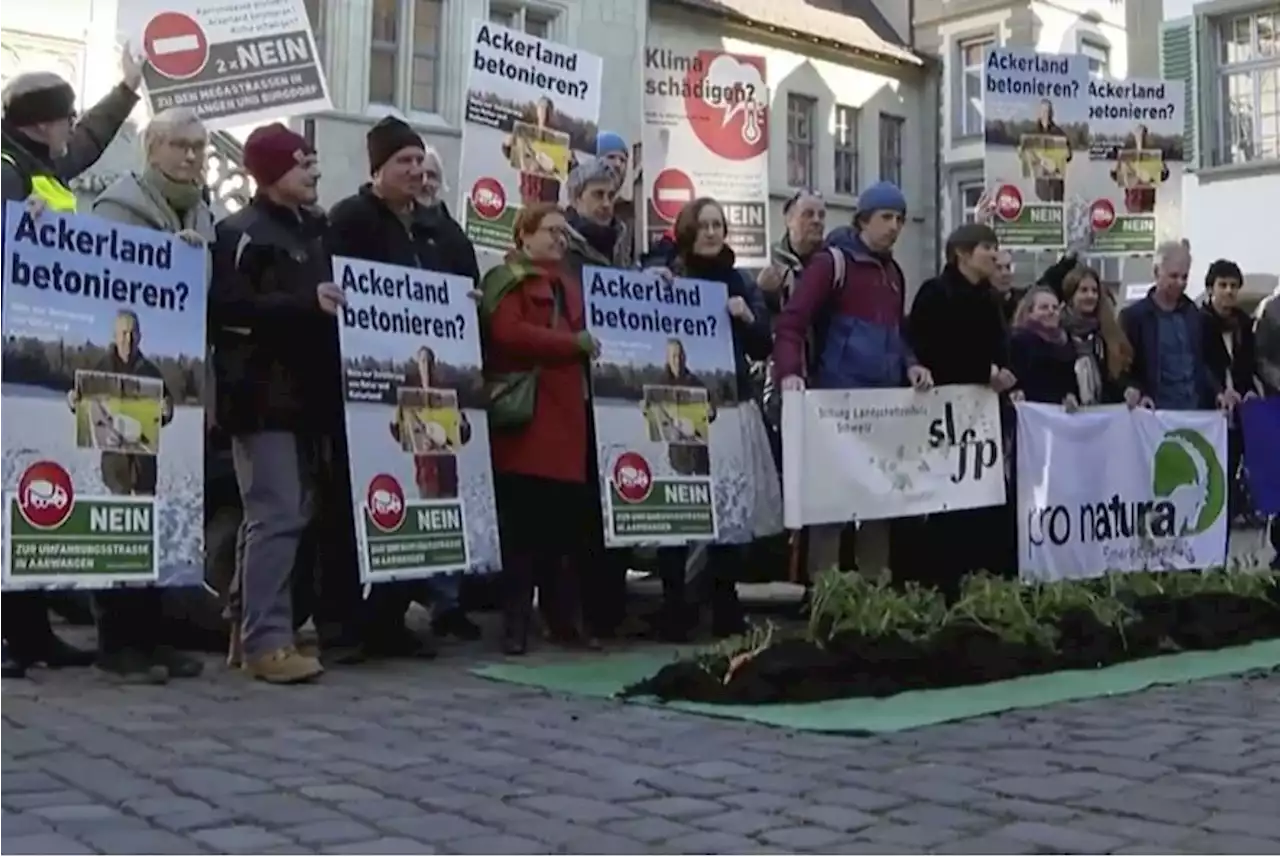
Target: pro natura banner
(1113, 489)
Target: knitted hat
(273, 150)
(882, 196)
(388, 137)
(607, 142)
(36, 98)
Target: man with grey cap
(42, 148)
(596, 236)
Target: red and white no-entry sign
(672, 191)
(176, 45)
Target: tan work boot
(306, 644)
(235, 647)
(283, 666)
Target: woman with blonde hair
(1103, 352)
(1041, 354)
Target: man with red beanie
(272, 307)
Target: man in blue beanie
(843, 329)
(614, 151)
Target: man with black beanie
(398, 219)
(42, 148)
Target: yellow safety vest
(57, 196)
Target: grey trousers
(277, 499)
(871, 548)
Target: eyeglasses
(797, 196)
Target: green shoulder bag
(512, 397)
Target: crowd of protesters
(831, 311)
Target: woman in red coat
(533, 310)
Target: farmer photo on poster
(103, 430)
(531, 111)
(665, 407)
(1036, 121)
(1134, 181)
(419, 441)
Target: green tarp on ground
(605, 675)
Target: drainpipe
(939, 79)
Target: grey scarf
(177, 202)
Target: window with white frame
(968, 112)
(846, 149)
(404, 54)
(535, 22)
(1099, 57)
(1249, 87)
(801, 113)
(891, 148)
(969, 194)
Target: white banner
(1109, 489)
(874, 454)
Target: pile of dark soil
(962, 653)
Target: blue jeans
(445, 592)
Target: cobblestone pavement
(421, 759)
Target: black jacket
(89, 139)
(1046, 371)
(1242, 360)
(957, 329)
(362, 227)
(275, 351)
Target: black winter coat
(275, 351)
(1046, 371)
(956, 329)
(1242, 360)
(363, 227)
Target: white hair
(164, 123)
(1170, 250)
(32, 81)
(429, 153)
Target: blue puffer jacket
(852, 331)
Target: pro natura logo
(1187, 474)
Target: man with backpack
(842, 329)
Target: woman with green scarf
(537, 355)
(167, 195)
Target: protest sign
(1159, 504)
(873, 454)
(1260, 426)
(532, 108)
(706, 133)
(665, 402)
(1133, 180)
(234, 63)
(1036, 109)
(103, 431)
(418, 434)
